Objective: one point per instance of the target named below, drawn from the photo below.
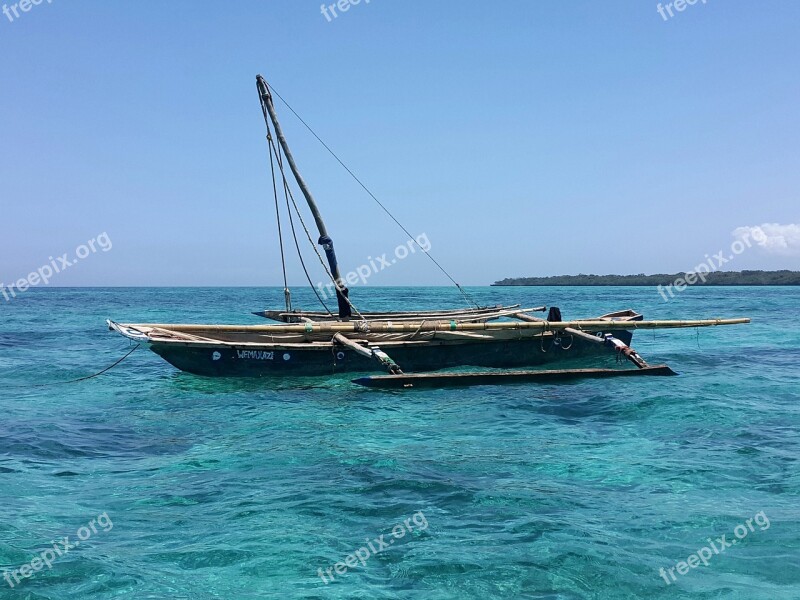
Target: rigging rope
(302, 261)
(313, 245)
(274, 151)
(286, 293)
(288, 190)
(467, 297)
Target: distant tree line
(714, 278)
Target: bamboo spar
(358, 327)
(324, 239)
(371, 353)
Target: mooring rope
(79, 379)
(467, 297)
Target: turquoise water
(245, 489)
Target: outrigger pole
(324, 239)
(585, 325)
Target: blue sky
(523, 138)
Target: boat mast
(324, 239)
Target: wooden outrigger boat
(406, 344)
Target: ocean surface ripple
(219, 488)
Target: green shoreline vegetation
(784, 277)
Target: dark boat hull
(300, 360)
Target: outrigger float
(406, 345)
